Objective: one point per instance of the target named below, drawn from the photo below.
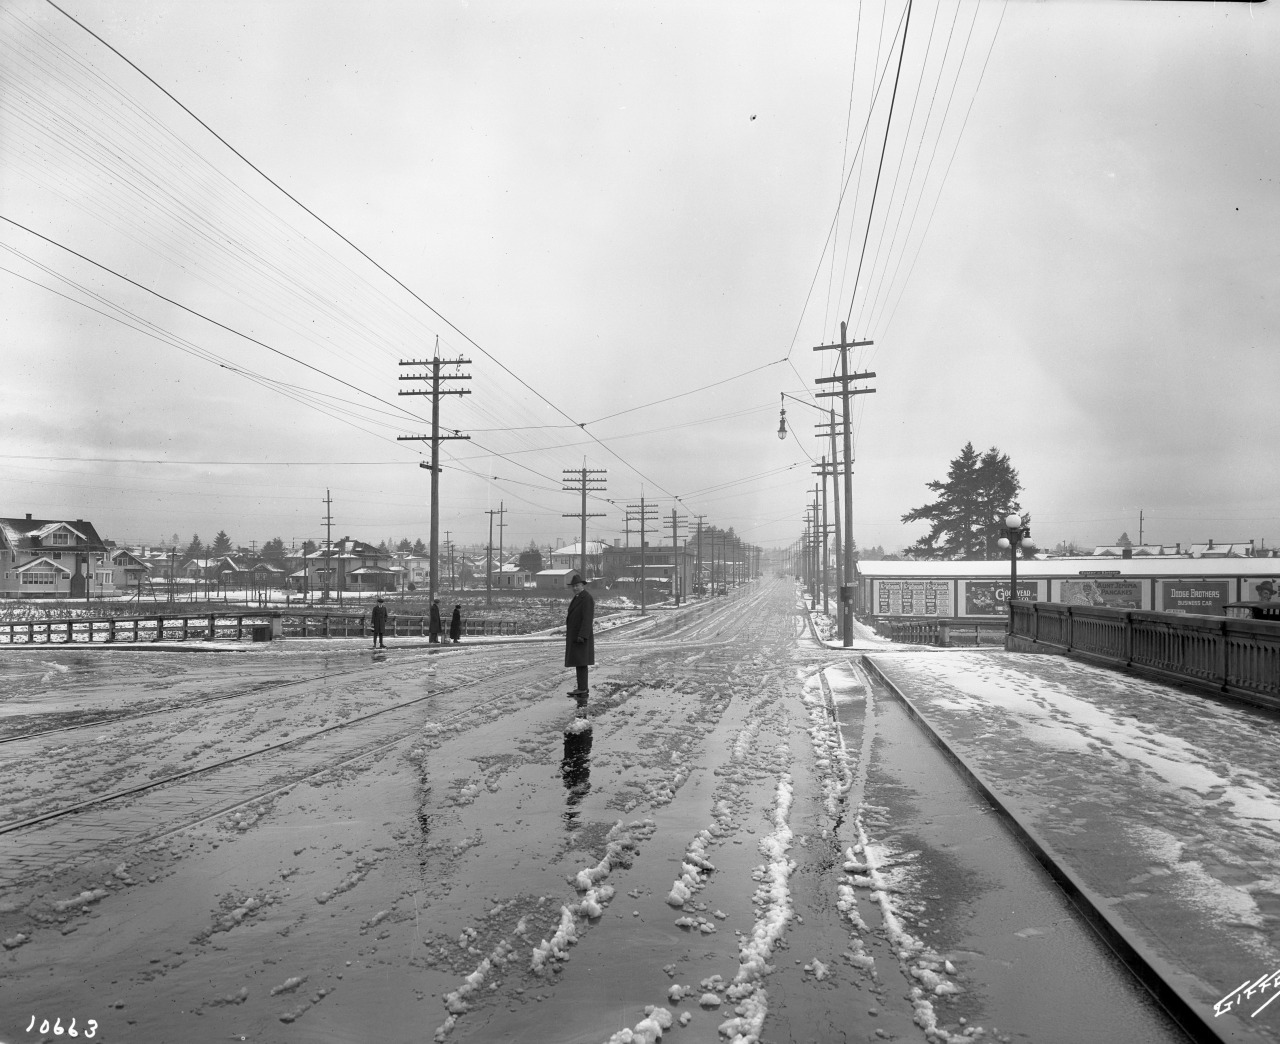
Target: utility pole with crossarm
(583, 480)
(644, 514)
(675, 523)
(435, 438)
(846, 393)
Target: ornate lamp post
(1015, 537)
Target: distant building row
(65, 558)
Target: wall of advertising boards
(982, 597)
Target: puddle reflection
(575, 770)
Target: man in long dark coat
(455, 624)
(379, 623)
(579, 636)
(436, 625)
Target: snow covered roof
(594, 547)
(1058, 567)
(556, 572)
(30, 532)
(1211, 550)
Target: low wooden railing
(183, 627)
(1222, 654)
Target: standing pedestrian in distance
(379, 623)
(579, 636)
(437, 626)
(455, 624)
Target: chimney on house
(28, 516)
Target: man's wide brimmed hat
(576, 579)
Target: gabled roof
(29, 533)
(45, 562)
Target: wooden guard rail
(1221, 654)
(225, 626)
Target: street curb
(1154, 974)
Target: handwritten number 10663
(58, 1029)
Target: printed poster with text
(1196, 597)
(913, 598)
(990, 597)
(1113, 594)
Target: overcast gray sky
(636, 220)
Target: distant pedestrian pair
(437, 626)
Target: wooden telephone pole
(675, 524)
(848, 573)
(583, 481)
(435, 438)
(643, 513)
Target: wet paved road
(713, 857)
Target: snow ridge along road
(745, 845)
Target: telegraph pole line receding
(833, 469)
(583, 481)
(848, 568)
(697, 566)
(435, 438)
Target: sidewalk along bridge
(258, 626)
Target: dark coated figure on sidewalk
(579, 636)
(379, 624)
(455, 624)
(436, 626)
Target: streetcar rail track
(294, 741)
(108, 718)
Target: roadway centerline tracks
(166, 805)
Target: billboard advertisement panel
(1260, 589)
(1112, 594)
(989, 597)
(1196, 597)
(913, 598)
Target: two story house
(53, 558)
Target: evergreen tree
(419, 548)
(405, 544)
(530, 558)
(195, 549)
(221, 544)
(273, 551)
(1124, 540)
(308, 547)
(977, 488)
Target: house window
(37, 578)
(60, 538)
(105, 577)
